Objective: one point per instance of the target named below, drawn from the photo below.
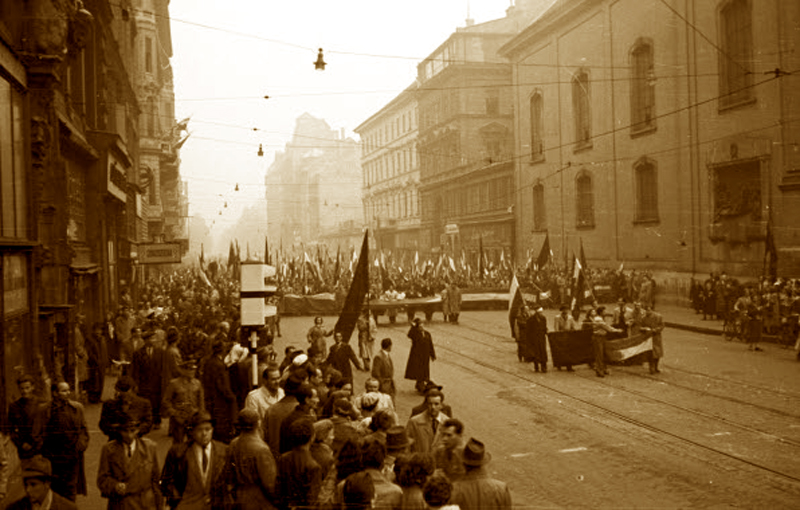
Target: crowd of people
(767, 306)
(302, 439)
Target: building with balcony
(390, 167)
(660, 134)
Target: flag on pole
(583, 256)
(578, 289)
(267, 258)
(452, 264)
(481, 261)
(545, 254)
(354, 302)
(515, 302)
(202, 256)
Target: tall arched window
(585, 200)
(537, 145)
(735, 59)
(643, 99)
(539, 212)
(646, 190)
(581, 109)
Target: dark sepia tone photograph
(420, 255)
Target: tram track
(626, 418)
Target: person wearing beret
(192, 470)
(37, 474)
(128, 474)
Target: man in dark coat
(535, 347)
(421, 354)
(383, 368)
(192, 470)
(125, 404)
(97, 351)
(147, 369)
(219, 397)
(65, 439)
(25, 419)
(341, 355)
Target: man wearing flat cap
(476, 490)
(192, 470)
(37, 475)
(125, 403)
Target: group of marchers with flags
(635, 340)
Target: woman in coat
(421, 354)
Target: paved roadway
(720, 427)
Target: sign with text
(160, 253)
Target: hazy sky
(228, 54)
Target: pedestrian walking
(476, 490)
(66, 437)
(128, 474)
(535, 347)
(268, 392)
(25, 419)
(383, 369)
(316, 336)
(182, 399)
(147, 369)
(125, 404)
(421, 354)
(654, 323)
(37, 476)
(423, 428)
(250, 470)
(191, 478)
(97, 361)
(454, 294)
(220, 400)
(299, 475)
(340, 357)
(366, 338)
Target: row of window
(390, 165)
(396, 128)
(493, 195)
(645, 197)
(399, 205)
(735, 81)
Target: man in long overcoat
(66, 437)
(535, 346)
(454, 294)
(147, 369)
(653, 322)
(421, 354)
(219, 397)
(250, 470)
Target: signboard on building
(160, 253)
(451, 229)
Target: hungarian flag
(337, 268)
(481, 259)
(545, 254)
(312, 266)
(632, 350)
(515, 302)
(202, 257)
(579, 289)
(354, 302)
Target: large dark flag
(354, 302)
(545, 254)
(515, 302)
(770, 253)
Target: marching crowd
(303, 439)
(768, 306)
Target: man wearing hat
(37, 475)
(476, 490)
(219, 397)
(147, 369)
(192, 470)
(250, 467)
(397, 443)
(128, 474)
(421, 354)
(535, 347)
(125, 403)
(182, 398)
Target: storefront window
(13, 211)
